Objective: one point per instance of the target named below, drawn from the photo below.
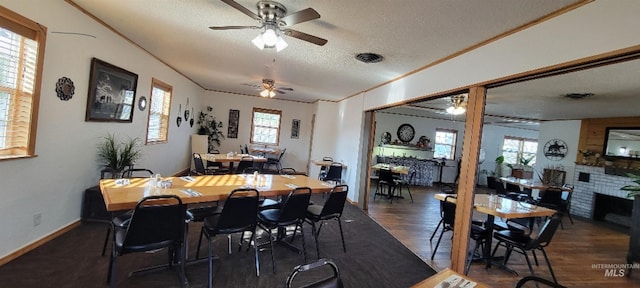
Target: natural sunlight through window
(21, 55)
(265, 126)
(445, 144)
(159, 106)
(519, 150)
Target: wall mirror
(622, 142)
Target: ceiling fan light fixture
(457, 105)
(270, 37)
(258, 42)
(281, 44)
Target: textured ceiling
(409, 34)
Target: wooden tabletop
(502, 207)
(326, 163)
(435, 281)
(121, 196)
(265, 149)
(234, 158)
(394, 168)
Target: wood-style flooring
(572, 251)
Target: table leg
(487, 248)
(231, 168)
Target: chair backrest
(334, 173)
(136, 173)
(295, 206)
(239, 211)
(333, 281)
(513, 188)
(288, 171)
(335, 203)
(197, 162)
(500, 189)
(546, 233)
(448, 211)
(386, 176)
(157, 221)
(245, 162)
(537, 280)
(326, 158)
(281, 154)
(552, 196)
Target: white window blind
(265, 126)
(18, 67)
(159, 106)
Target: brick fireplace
(590, 183)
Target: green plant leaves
(119, 154)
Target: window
(158, 126)
(445, 144)
(514, 149)
(22, 44)
(265, 126)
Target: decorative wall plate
(65, 88)
(406, 133)
(555, 149)
(386, 138)
(142, 103)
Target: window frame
(29, 29)
(520, 152)
(453, 146)
(253, 125)
(158, 84)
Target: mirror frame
(606, 143)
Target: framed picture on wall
(295, 128)
(112, 93)
(234, 119)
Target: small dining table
(231, 159)
(495, 206)
(396, 169)
(448, 278)
(531, 184)
(121, 194)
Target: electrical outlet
(37, 219)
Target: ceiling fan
(273, 20)
(268, 88)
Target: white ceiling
(410, 34)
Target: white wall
(53, 183)
(569, 132)
(324, 133)
(348, 141)
(297, 154)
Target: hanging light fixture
(269, 88)
(270, 38)
(458, 106)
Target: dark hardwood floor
(572, 251)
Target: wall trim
(24, 250)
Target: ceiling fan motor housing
(271, 11)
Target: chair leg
(344, 247)
(437, 244)
(273, 262)
(569, 215)
(304, 245)
(199, 242)
(553, 275)
(315, 236)
(111, 276)
(434, 231)
(106, 239)
(526, 257)
(475, 248)
(409, 190)
(255, 249)
(535, 258)
(210, 260)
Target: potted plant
(117, 154)
(492, 178)
(211, 127)
(522, 169)
(633, 255)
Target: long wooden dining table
(121, 194)
(505, 208)
(224, 158)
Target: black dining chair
(334, 173)
(121, 219)
(323, 169)
(157, 222)
(245, 162)
(331, 209)
(387, 182)
(199, 168)
(523, 243)
(447, 220)
(217, 167)
(276, 161)
(292, 212)
(552, 198)
(237, 215)
(406, 184)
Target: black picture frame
(234, 119)
(295, 129)
(112, 93)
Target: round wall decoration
(406, 132)
(386, 138)
(142, 103)
(555, 149)
(65, 88)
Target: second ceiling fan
(273, 19)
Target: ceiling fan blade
(280, 91)
(233, 27)
(242, 9)
(285, 88)
(301, 16)
(305, 37)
